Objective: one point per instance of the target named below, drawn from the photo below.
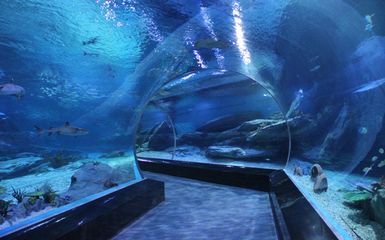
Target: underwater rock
(19, 167)
(298, 171)
(273, 132)
(92, 178)
(185, 150)
(357, 199)
(235, 152)
(320, 184)
(305, 166)
(161, 137)
(60, 201)
(57, 159)
(27, 154)
(199, 139)
(227, 122)
(377, 205)
(113, 154)
(17, 211)
(36, 205)
(316, 170)
(336, 137)
(265, 133)
(4, 207)
(256, 124)
(225, 152)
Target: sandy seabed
(59, 179)
(356, 224)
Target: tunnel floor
(201, 210)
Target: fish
(3, 116)
(10, 89)
(198, 81)
(381, 150)
(381, 164)
(91, 41)
(210, 43)
(367, 169)
(369, 86)
(90, 54)
(67, 130)
(315, 68)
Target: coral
(379, 185)
(4, 207)
(2, 189)
(32, 200)
(49, 194)
(58, 160)
(46, 192)
(18, 194)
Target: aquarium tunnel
(194, 119)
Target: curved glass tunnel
(215, 116)
(78, 78)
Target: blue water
(119, 68)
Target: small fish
(210, 43)
(374, 158)
(67, 129)
(91, 41)
(381, 164)
(314, 59)
(315, 68)
(369, 86)
(3, 116)
(10, 89)
(90, 54)
(367, 169)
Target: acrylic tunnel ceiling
(97, 64)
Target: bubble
(381, 150)
(374, 158)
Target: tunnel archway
(322, 60)
(215, 116)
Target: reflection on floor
(198, 157)
(201, 210)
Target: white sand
(59, 179)
(330, 203)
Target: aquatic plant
(45, 191)
(58, 161)
(4, 207)
(32, 200)
(49, 194)
(379, 185)
(2, 189)
(18, 194)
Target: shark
(67, 130)
(10, 89)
